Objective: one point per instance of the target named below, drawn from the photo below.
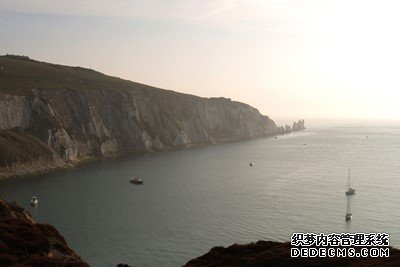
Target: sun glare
(357, 55)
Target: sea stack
(298, 126)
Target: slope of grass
(19, 75)
(17, 146)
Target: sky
(291, 59)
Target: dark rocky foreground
(275, 254)
(23, 242)
(54, 116)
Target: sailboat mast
(348, 180)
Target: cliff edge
(23, 242)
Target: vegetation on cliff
(23, 242)
(19, 75)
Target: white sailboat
(34, 201)
(349, 189)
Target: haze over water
(197, 198)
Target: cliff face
(26, 243)
(69, 125)
(52, 123)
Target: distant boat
(251, 164)
(275, 137)
(349, 189)
(136, 181)
(34, 201)
(348, 216)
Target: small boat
(34, 201)
(349, 189)
(275, 137)
(251, 164)
(136, 181)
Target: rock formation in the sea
(275, 254)
(288, 129)
(23, 242)
(298, 126)
(281, 130)
(54, 116)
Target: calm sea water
(197, 198)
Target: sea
(195, 198)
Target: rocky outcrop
(298, 126)
(104, 116)
(281, 130)
(268, 253)
(23, 242)
(288, 129)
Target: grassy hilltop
(20, 74)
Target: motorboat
(136, 181)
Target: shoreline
(75, 164)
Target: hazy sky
(290, 59)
